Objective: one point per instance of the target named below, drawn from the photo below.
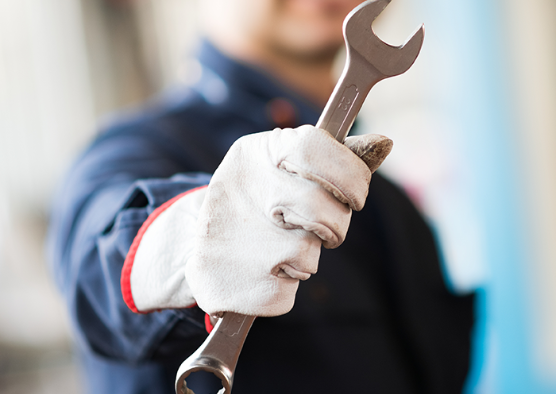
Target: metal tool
(219, 353)
(369, 60)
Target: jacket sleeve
(103, 202)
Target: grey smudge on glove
(371, 148)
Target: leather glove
(243, 243)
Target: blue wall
(465, 38)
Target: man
(376, 318)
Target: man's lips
(287, 271)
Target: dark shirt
(377, 318)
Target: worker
(142, 249)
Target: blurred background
(474, 127)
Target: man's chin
(308, 51)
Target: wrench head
(388, 60)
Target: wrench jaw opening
(218, 354)
(368, 10)
(411, 49)
(206, 364)
(388, 60)
(358, 22)
(368, 61)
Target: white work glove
(243, 243)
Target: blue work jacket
(377, 318)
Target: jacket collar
(245, 80)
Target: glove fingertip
(371, 148)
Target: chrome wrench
(369, 60)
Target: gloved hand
(243, 243)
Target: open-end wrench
(369, 60)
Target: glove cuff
(153, 272)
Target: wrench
(369, 60)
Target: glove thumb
(371, 148)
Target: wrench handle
(357, 79)
(219, 352)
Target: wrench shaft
(348, 97)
